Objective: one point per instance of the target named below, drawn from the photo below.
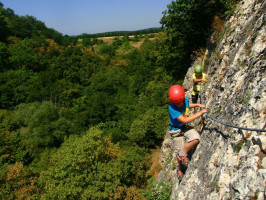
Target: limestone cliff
(229, 164)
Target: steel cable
(226, 124)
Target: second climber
(199, 78)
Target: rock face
(228, 163)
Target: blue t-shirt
(176, 112)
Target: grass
(155, 162)
(110, 39)
(245, 98)
(223, 33)
(219, 110)
(215, 185)
(238, 146)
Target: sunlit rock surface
(229, 164)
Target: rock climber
(179, 124)
(198, 77)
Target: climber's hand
(201, 106)
(203, 111)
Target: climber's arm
(186, 120)
(196, 80)
(194, 105)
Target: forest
(78, 120)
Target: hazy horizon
(91, 17)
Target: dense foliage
(188, 24)
(78, 115)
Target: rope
(205, 115)
(238, 127)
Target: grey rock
(263, 162)
(228, 164)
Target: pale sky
(74, 17)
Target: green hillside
(78, 118)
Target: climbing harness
(180, 131)
(205, 115)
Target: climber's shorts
(189, 134)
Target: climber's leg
(192, 138)
(179, 173)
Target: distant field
(112, 37)
(136, 44)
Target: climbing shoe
(179, 173)
(183, 159)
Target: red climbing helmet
(176, 94)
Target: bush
(158, 190)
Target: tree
(41, 125)
(92, 167)
(86, 42)
(27, 54)
(17, 183)
(3, 57)
(4, 30)
(107, 50)
(188, 24)
(147, 130)
(14, 87)
(83, 168)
